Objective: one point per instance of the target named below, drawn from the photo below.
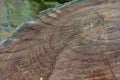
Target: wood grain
(78, 42)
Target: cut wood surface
(80, 41)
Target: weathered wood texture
(78, 42)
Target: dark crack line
(58, 51)
(102, 53)
(54, 61)
(52, 24)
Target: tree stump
(75, 41)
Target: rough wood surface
(78, 42)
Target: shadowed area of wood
(78, 42)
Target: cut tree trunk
(79, 41)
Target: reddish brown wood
(78, 42)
